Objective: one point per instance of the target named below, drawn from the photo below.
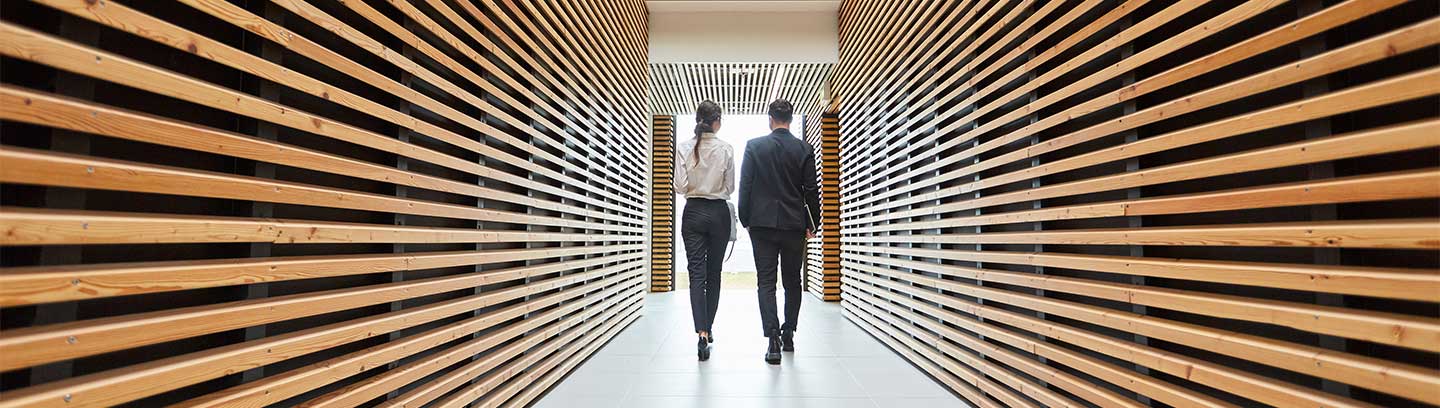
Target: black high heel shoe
(710, 337)
(702, 349)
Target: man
(779, 204)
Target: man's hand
(809, 234)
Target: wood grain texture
(1140, 203)
(664, 224)
(822, 261)
(318, 203)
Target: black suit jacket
(777, 181)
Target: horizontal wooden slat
(294, 382)
(1390, 91)
(1390, 234)
(1047, 397)
(1377, 282)
(52, 110)
(1373, 326)
(568, 355)
(52, 227)
(1141, 203)
(107, 388)
(25, 166)
(576, 355)
(1177, 396)
(27, 347)
(1352, 369)
(468, 178)
(42, 48)
(43, 284)
(1384, 46)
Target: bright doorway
(739, 270)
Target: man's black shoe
(787, 340)
(772, 356)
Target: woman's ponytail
(707, 113)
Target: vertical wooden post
(663, 233)
(824, 267)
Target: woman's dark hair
(707, 113)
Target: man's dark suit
(777, 182)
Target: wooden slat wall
(319, 203)
(663, 237)
(1146, 203)
(822, 267)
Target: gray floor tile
(774, 382)
(595, 384)
(875, 363)
(629, 364)
(746, 402)
(836, 365)
(552, 401)
(903, 384)
(950, 402)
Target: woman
(705, 175)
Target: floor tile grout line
(851, 372)
(658, 347)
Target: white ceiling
(692, 6)
(729, 36)
(741, 54)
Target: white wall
(742, 36)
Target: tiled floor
(835, 365)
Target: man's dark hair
(782, 110)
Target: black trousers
(705, 227)
(781, 251)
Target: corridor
(836, 364)
(474, 204)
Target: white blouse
(713, 176)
